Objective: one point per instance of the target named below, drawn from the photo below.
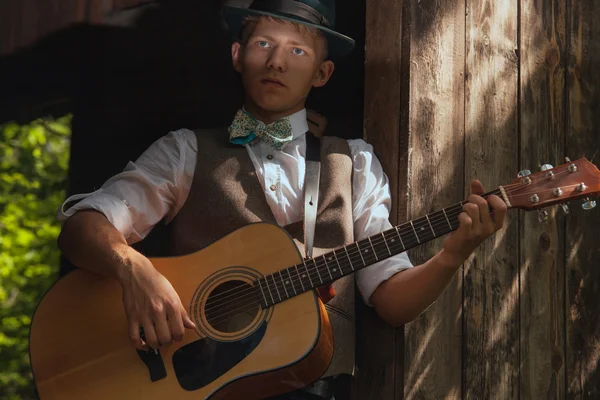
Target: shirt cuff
(369, 278)
(113, 208)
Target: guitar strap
(311, 200)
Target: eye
(298, 52)
(263, 43)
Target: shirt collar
(298, 122)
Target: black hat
(318, 14)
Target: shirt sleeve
(153, 187)
(372, 202)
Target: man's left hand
(476, 223)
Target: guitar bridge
(153, 360)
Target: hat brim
(339, 45)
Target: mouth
(273, 81)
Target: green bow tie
(245, 129)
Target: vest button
(273, 187)
(269, 157)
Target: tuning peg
(524, 173)
(542, 215)
(565, 208)
(546, 167)
(589, 204)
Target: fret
(449, 224)
(283, 284)
(349, 260)
(327, 265)
(299, 278)
(386, 245)
(263, 293)
(308, 273)
(400, 237)
(432, 231)
(374, 252)
(338, 263)
(291, 280)
(317, 268)
(414, 230)
(360, 254)
(278, 294)
(269, 289)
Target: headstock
(573, 180)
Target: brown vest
(226, 195)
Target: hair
(252, 20)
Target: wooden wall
(480, 90)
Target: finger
(187, 321)
(175, 323)
(150, 334)
(500, 209)
(484, 211)
(134, 336)
(472, 211)
(465, 221)
(476, 187)
(163, 331)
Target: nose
(277, 59)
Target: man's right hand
(151, 303)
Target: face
(279, 64)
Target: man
(283, 50)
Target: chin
(274, 104)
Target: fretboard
(324, 269)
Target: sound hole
(231, 306)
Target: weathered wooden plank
(436, 125)
(543, 113)
(375, 352)
(582, 249)
(491, 282)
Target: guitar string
(437, 221)
(316, 267)
(242, 306)
(295, 277)
(311, 273)
(345, 264)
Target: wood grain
(491, 282)
(436, 128)
(582, 250)
(376, 348)
(543, 112)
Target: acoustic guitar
(261, 328)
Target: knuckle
(156, 308)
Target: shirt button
(273, 187)
(269, 157)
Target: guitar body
(80, 348)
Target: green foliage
(33, 169)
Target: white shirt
(157, 185)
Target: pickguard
(201, 362)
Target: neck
(324, 269)
(267, 116)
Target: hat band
(291, 7)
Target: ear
(236, 56)
(323, 73)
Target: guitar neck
(325, 269)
